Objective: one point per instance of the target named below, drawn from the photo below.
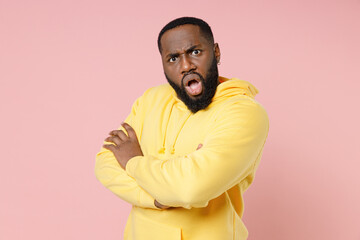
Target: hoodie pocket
(145, 229)
(240, 231)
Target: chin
(203, 100)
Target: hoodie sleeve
(229, 154)
(109, 172)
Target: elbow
(98, 175)
(98, 171)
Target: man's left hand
(124, 146)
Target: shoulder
(243, 102)
(154, 96)
(242, 109)
(158, 91)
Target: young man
(190, 148)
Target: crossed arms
(231, 152)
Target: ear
(217, 52)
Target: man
(190, 148)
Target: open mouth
(193, 84)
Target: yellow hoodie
(203, 187)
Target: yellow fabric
(204, 187)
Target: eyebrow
(171, 55)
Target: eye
(195, 52)
(172, 59)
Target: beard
(210, 83)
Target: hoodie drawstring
(178, 133)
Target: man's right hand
(159, 205)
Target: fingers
(117, 137)
(131, 132)
(110, 147)
(114, 139)
(159, 205)
(120, 134)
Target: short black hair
(204, 28)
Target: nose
(187, 65)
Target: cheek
(203, 68)
(173, 74)
(169, 72)
(206, 66)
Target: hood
(228, 87)
(233, 86)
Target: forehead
(182, 38)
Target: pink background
(70, 70)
